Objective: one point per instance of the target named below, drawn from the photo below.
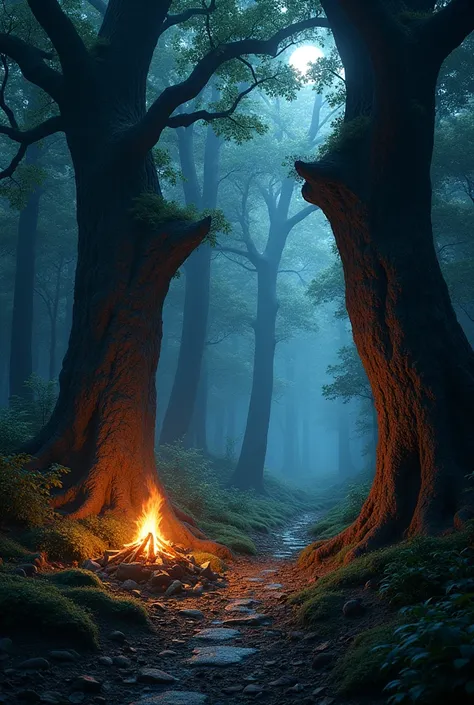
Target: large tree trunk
(21, 360)
(416, 356)
(249, 470)
(103, 425)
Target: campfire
(153, 563)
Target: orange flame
(149, 523)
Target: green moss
(38, 608)
(103, 604)
(111, 530)
(217, 564)
(320, 607)
(152, 210)
(230, 536)
(12, 549)
(359, 670)
(74, 577)
(346, 134)
(65, 540)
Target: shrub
(73, 577)
(103, 604)
(434, 654)
(35, 607)
(25, 496)
(15, 430)
(320, 607)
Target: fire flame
(148, 525)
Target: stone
(91, 565)
(29, 568)
(175, 588)
(192, 614)
(62, 655)
(76, 698)
(105, 661)
(207, 572)
(129, 585)
(157, 606)
(6, 645)
(34, 664)
(283, 681)
(28, 695)
(268, 571)
(198, 590)
(219, 655)
(173, 697)
(245, 602)
(255, 580)
(154, 675)
(53, 698)
(176, 572)
(87, 684)
(322, 660)
(323, 646)
(248, 620)
(130, 680)
(160, 581)
(117, 636)
(273, 586)
(296, 688)
(122, 662)
(238, 608)
(319, 691)
(231, 689)
(353, 608)
(219, 634)
(133, 571)
(253, 689)
(167, 652)
(20, 572)
(136, 593)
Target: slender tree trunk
(249, 471)
(200, 407)
(345, 464)
(54, 322)
(21, 362)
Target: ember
(154, 560)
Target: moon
(305, 55)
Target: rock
(323, 646)
(122, 662)
(91, 565)
(176, 572)
(28, 696)
(175, 588)
(130, 680)
(129, 585)
(20, 572)
(283, 680)
(255, 580)
(296, 688)
(154, 675)
(219, 634)
(117, 636)
(6, 645)
(192, 614)
(250, 620)
(371, 584)
(29, 569)
(198, 590)
(231, 689)
(273, 586)
(136, 593)
(132, 571)
(76, 698)
(62, 655)
(34, 664)
(157, 606)
(253, 689)
(318, 691)
(53, 698)
(238, 608)
(207, 572)
(219, 655)
(173, 697)
(353, 608)
(160, 581)
(87, 684)
(322, 660)
(105, 661)
(167, 652)
(268, 571)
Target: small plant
(15, 430)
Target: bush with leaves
(434, 653)
(25, 495)
(15, 429)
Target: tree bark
(21, 359)
(416, 356)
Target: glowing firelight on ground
(148, 528)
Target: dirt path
(230, 646)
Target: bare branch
(294, 271)
(235, 261)
(30, 60)
(179, 18)
(27, 137)
(72, 52)
(146, 133)
(219, 340)
(301, 215)
(3, 103)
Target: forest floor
(263, 654)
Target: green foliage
(73, 577)
(28, 177)
(105, 605)
(346, 135)
(350, 380)
(359, 670)
(37, 608)
(65, 540)
(164, 166)
(34, 411)
(9, 548)
(344, 513)
(433, 655)
(153, 211)
(25, 496)
(321, 606)
(15, 430)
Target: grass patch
(75, 577)
(217, 564)
(358, 671)
(103, 604)
(320, 607)
(64, 540)
(12, 549)
(39, 608)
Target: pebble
(250, 620)
(219, 655)
(29, 569)
(76, 698)
(117, 636)
(273, 586)
(353, 608)
(62, 656)
(105, 661)
(216, 634)
(87, 684)
(132, 571)
(322, 660)
(167, 652)
(122, 662)
(283, 680)
(34, 664)
(296, 688)
(129, 585)
(198, 590)
(192, 614)
(91, 565)
(173, 697)
(323, 646)
(231, 689)
(253, 689)
(327, 701)
(174, 589)
(154, 675)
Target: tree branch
(447, 28)
(30, 60)
(179, 18)
(294, 271)
(235, 261)
(298, 217)
(39, 132)
(146, 133)
(3, 103)
(10, 170)
(71, 50)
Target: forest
(236, 352)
